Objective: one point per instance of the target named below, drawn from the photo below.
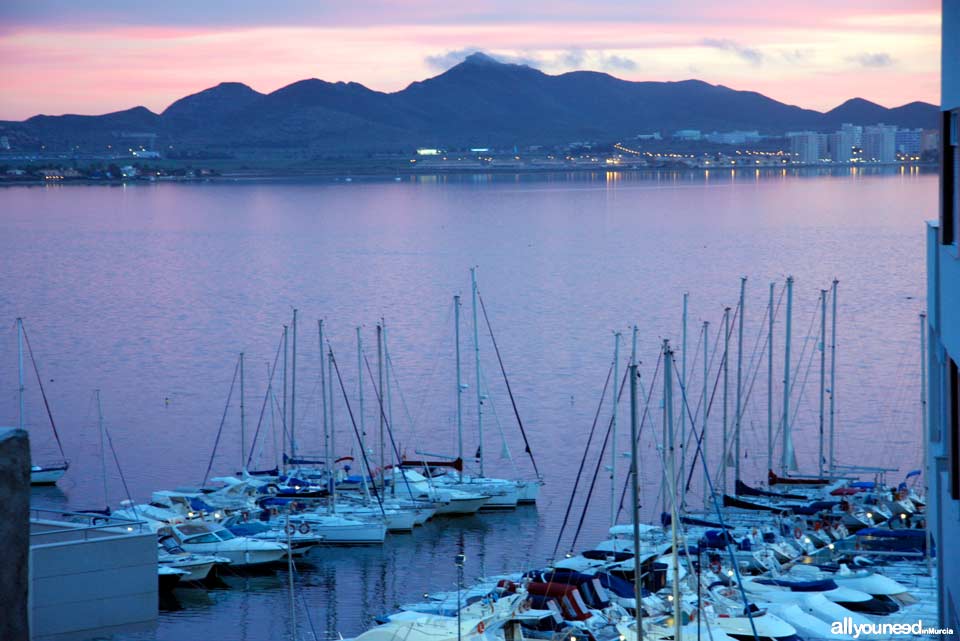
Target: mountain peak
(480, 58)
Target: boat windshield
(225, 535)
(202, 538)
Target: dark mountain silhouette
(478, 102)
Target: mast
(787, 456)
(476, 353)
(20, 373)
(283, 421)
(293, 392)
(683, 385)
(726, 395)
(823, 372)
(387, 399)
(613, 431)
(103, 451)
(670, 459)
(736, 435)
(243, 423)
(770, 381)
(363, 431)
(633, 346)
(333, 437)
(456, 334)
(833, 369)
(323, 392)
(703, 427)
(923, 437)
(383, 460)
(635, 512)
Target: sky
(97, 56)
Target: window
(950, 178)
(202, 538)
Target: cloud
(576, 58)
(872, 59)
(795, 56)
(753, 56)
(444, 61)
(621, 63)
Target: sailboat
(47, 473)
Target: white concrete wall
(94, 580)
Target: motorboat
(201, 537)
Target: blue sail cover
(820, 585)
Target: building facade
(880, 143)
(943, 334)
(807, 147)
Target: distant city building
(880, 143)
(908, 141)
(807, 147)
(840, 146)
(733, 137)
(429, 151)
(687, 134)
(4, 143)
(929, 140)
(855, 131)
(144, 153)
(653, 136)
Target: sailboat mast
(363, 431)
(283, 421)
(671, 488)
(385, 385)
(383, 460)
(243, 423)
(456, 336)
(726, 398)
(736, 435)
(833, 369)
(476, 353)
(635, 491)
(923, 435)
(770, 380)
(683, 385)
(823, 373)
(787, 456)
(20, 373)
(703, 427)
(103, 451)
(613, 431)
(293, 392)
(333, 438)
(323, 392)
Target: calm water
(149, 292)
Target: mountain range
(479, 102)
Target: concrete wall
(90, 579)
(950, 56)
(14, 533)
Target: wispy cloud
(751, 55)
(447, 59)
(872, 60)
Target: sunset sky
(63, 56)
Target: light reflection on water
(149, 292)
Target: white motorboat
(196, 566)
(47, 474)
(341, 530)
(207, 538)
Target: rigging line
(795, 375)
(266, 397)
(753, 364)
(43, 393)
(223, 419)
(506, 380)
(123, 479)
(356, 431)
(713, 395)
(643, 421)
(716, 504)
(596, 471)
(496, 418)
(583, 461)
(386, 422)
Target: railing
(81, 524)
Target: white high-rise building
(855, 131)
(807, 147)
(880, 143)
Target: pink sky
(59, 56)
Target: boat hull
(47, 474)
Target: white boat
(196, 567)
(341, 530)
(47, 474)
(447, 500)
(206, 538)
(168, 577)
